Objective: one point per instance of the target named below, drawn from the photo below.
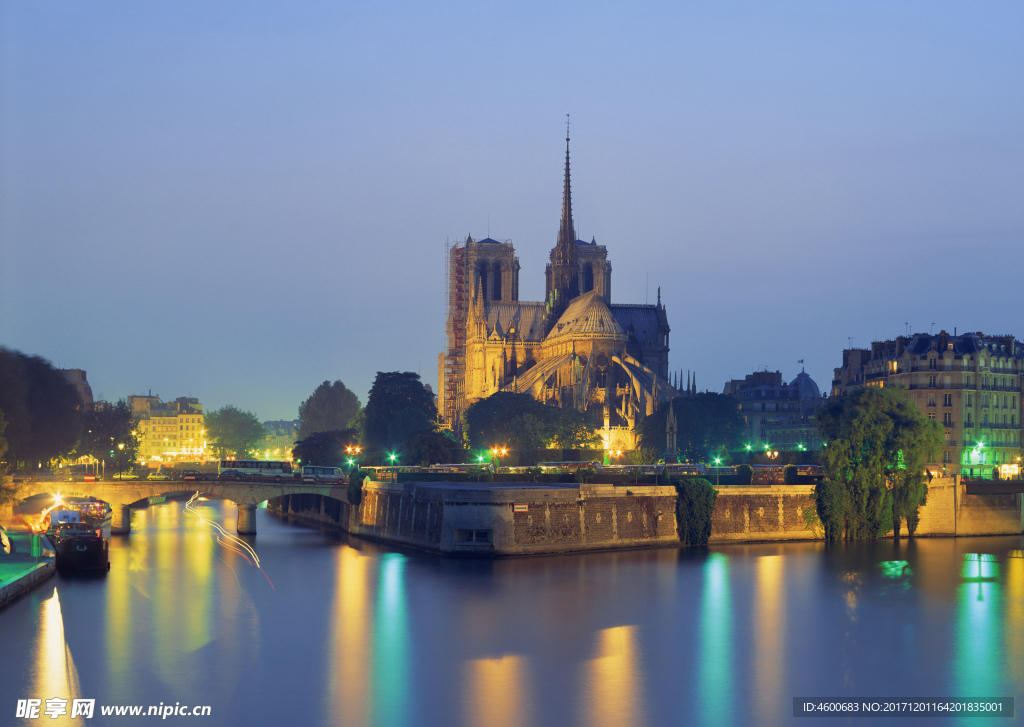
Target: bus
(315, 473)
(569, 466)
(254, 469)
(629, 469)
(472, 467)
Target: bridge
(121, 495)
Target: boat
(80, 547)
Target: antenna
(849, 340)
(647, 283)
(932, 328)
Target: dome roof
(808, 389)
(587, 316)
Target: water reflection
(54, 675)
(715, 676)
(390, 668)
(347, 685)
(497, 693)
(770, 633)
(978, 629)
(613, 681)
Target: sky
(237, 201)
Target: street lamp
(120, 448)
(498, 452)
(718, 471)
(352, 450)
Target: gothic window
(482, 275)
(497, 281)
(588, 278)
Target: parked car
(193, 475)
(160, 477)
(124, 476)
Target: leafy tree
(42, 409)
(571, 429)
(695, 502)
(103, 428)
(398, 401)
(233, 431)
(706, 423)
(325, 448)
(430, 448)
(643, 455)
(878, 444)
(330, 408)
(7, 492)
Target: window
(946, 456)
(931, 381)
(931, 415)
(947, 419)
(932, 364)
(947, 400)
(931, 400)
(970, 400)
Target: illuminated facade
(576, 348)
(171, 431)
(971, 384)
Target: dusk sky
(238, 201)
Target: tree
(430, 448)
(325, 448)
(7, 492)
(707, 424)
(233, 431)
(877, 445)
(396, 397)
(330, 408)
(572, 429)
(103, 429)
(42, 409)
(517, 421)
(695, 502)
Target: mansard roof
(587, 316)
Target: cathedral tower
(564, 281)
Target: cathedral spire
(566, 232)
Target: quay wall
(524, 519)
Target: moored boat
(80, 547)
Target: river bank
(31, 562)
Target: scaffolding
(456, 306)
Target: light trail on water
(229, 541)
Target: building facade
(172, 431)
(778, 416)
(575, 348)
(969, 383)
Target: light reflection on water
(358, 634)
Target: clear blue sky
(237, 201)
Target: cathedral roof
(587, 316)
(523, 319)
(645, 320)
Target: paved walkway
(31, 563)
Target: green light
(748, 447)
(351, 462)
(480, 458)
(718, 460)
(392, 456)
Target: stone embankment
(31, 562)
(526, 519)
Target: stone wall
(523, 519)
(750, 514)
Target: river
(337, 631)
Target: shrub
(744, 475)
(355, 486)
(695, 501)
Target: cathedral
(575, 348)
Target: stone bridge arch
(121, 495)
